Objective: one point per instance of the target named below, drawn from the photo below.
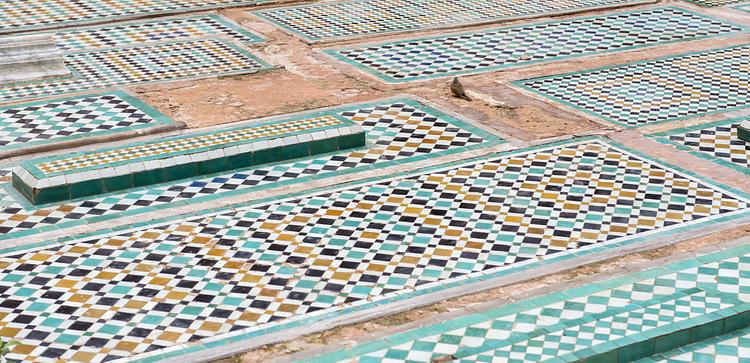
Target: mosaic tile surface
(123, 66)
(709, 3)
(347, 19)
(716, 141)
(655, 91)
(152, 31)
(474, 52)
(23, 14)
(149, 288)
(398, 132)
(61, 120)
(730, 348)
(598, 317)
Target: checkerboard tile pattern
(399, 132)
(729, 348)
(559, 325)
(146, 289)
(24, 15)
(474, 52)
(152, 31)
(717, 140)
(347, 19)
(655, 91)
(710, 3)
(123, 66)
(37, 123)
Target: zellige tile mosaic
(488, 50)
(353, 18)
(654, 91)
(32, 124)
(231, 272)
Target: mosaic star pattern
(152, 63)
(399, 132)
(347, 19)
(559, 326)
(152, 31)
(37, 123)
(474, 52)
(718, 141)
(23, 14)
(655, 91)
(141, 291)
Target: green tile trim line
(663, 137)
(157, 118)
(63, 177)
(423, 290)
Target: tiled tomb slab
(181, 285)
(661, 90)
(33, 124)
(488, 50)
(717, 141)
(16, 15)
(399, 131)
(353, 18)
(152, 31)
(729, 348)
(171, 61)
(615, 320)
(84, 174)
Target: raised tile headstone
(59, 178)
(29, 57)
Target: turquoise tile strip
(353, 18)
(162, 62)
(38, 123)
(398, 131)
(499, 48)
(618, 320)
(655, 91)
(17, 15)
(743, 7)
(276, 264)
(152, 31)
(732, 347)
(712, 3)
(716, 141)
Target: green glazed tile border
(520, 84)
(428, 288)
(663, 137)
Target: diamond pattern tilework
(143, 290)
(399, 132)
(656, 91)
(345, 19)
(719, 141)
(473, 52)
(562, 324)
(122, 66)
(32, 124)
(152, 31)
(23, 14)
(729, 348)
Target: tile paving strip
(16, 15)
(488, 50)
(743, 7)
(655, 91)
(399, 131)
(615, 320)
(152, 31)
(711, 3)
(716, 141)
(728, 348)
(33, 124)
(108, 68)
(353, 19)
(59, 178)
(195, 282)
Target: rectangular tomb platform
(83, 174)
(743, 131)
